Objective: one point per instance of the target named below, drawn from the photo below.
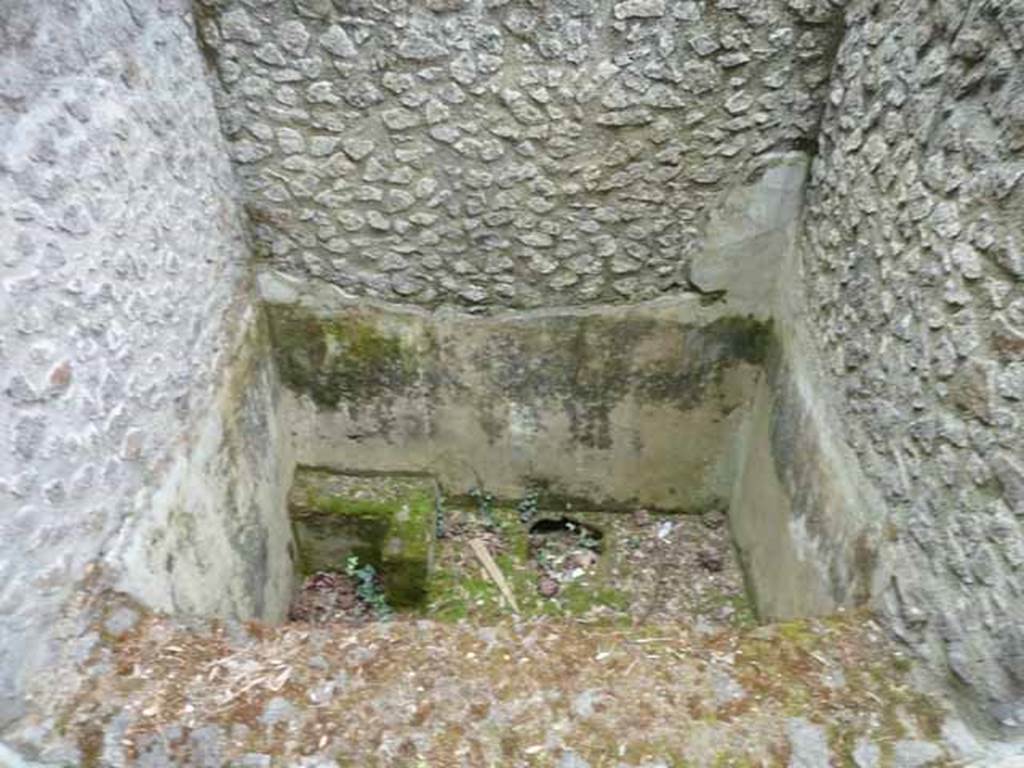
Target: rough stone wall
(487, 152)
(123, 279)
(914, 258)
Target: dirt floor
(562, 639)
(518, 692)
(600, 567)
(565, 639)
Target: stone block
(386, 521)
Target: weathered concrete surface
(123, 285)
(805, 521)
(386, 521)
(620, 405)
(213, 538)
(806, 525)
(750, 234)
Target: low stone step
(383, 520)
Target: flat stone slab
(384, 520)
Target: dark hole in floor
(372, 546)
(588, 536)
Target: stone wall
(914, 259)
(619, 405)
(502, 156)
(124, 302)
(613, 408)
(493, 153)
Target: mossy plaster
(385, 521)
(623, 406)
(347, 360)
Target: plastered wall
(125, 320)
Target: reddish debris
(711, 560)
(327, 597)
(547, 586)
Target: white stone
(641, 9)
(337, 42)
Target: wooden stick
(492, 569)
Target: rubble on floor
(517, 692)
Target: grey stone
(420, 48)
(252, 760)
(121, 621)
(321, 146)
(293, 37)
(269, 53)
(724, 687)
(75, 220)
(436, 112)
(1009, 471)
(278, 710)
(866, 754)
(290, 141)
(570, 759)
(914, 754)
(313, 8)
(322, 92)
(238, 25)
(27, 436)
(807, 743)
(643, 9)
(463, 69)
(474, 294)
(357, 148)
(378, 221)
(337, 42)
(625, 117)
(733, 59)
(704, 45)
(206, 745)
(664, 97)
(537, 239)
(316, 761)
(520, 21)
(398, 200)
(249, 152)
(945, 220)
(12, 759)
(401, 119)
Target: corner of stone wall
(213, 537)
(806, 523)
(913, 267)
(130, 397)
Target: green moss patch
(385, 521)
(638, 575)
(349, 358)
(597, 567)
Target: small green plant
(587, 541)
(367, 588)
(439, 521)
(527, 507)
(544, 556)
(583, 536)
(484, 505)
